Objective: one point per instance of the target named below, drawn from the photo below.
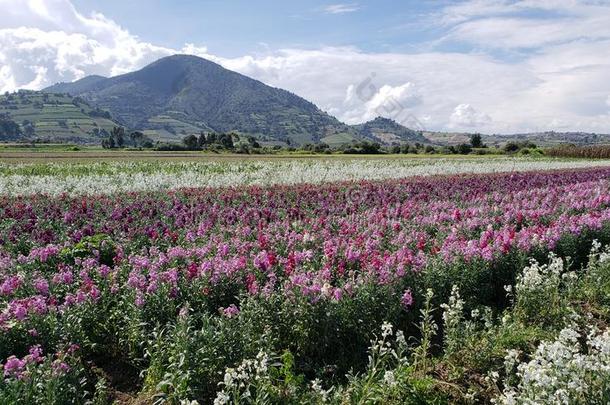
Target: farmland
(56, 116)
(285, 280)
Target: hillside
(182, 94)
(387, 132)
(54, 117)
(550, 138)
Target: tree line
(118, 139)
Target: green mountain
(52, 117)
(181, 94)
(387, 132)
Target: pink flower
(35, 355)
(14, 367)
(230, 311)
(60, 368)
(407, 299)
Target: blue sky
(232, 28)
(495, 66)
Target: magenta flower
(230, 311)
(407, 299)
(14, 367)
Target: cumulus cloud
(341, 8)
(366, 101)
(46, 41)
(466, 116)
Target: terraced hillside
(56, 117)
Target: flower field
(275, 288)
(111, 177)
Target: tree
(464, 149)
(137, 138)
(476, 141)
(118, 135)
(511, 147)
(108, 143)
(226, 140)
(9, 129)
(191, 142)
(202, 141)
(253, 142)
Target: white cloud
(519, 24)
(466, 116)
(46, 41)
(366, 101)
(608, 101)
(341, 8)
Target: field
(220, 280)
(55, 116)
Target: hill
(53, 117)
(180, 94)
(387, 132)
(550, 138)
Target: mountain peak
(182, 94)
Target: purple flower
(230, 311)
(14, 367)
(407, 299)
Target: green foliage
(100, 245)
(9, 129)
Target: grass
(39, 153)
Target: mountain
(387, 132)
(54, 117)
(79, 86)
(181, 94)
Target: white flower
(389, 378)
(386, 329)
(221, 398)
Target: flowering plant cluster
(133, 176)
(289, 263)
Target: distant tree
(464, 149)
(9, 129)
(226, 140)
(136, 138)
(118, 135)
(430, 149)
(476, 141)
(321, 147)
(253, 142)
(202, 141)
(108, 143)
(191, 142)
(511, 147)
